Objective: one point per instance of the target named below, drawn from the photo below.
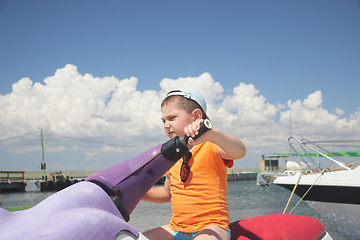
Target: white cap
(190, 93)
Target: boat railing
(317, 150)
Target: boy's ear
(197, 114)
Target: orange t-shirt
(201, 200)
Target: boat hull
(335, 196)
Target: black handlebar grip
(204, 127)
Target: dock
(16, 181)
(241, 176)
(12, 181)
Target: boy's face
(175, 119)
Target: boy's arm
(231, 147)
(159, 194)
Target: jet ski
(99, 208)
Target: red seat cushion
(276, 227)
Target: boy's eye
(172, 118)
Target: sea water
(245, 200)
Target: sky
(91, 75)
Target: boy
(196, 185)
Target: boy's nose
(166, 124)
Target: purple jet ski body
(81, 211)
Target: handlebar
(205, 126)
(176, 147)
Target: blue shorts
(188, 236)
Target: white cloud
(211, 90)
(313, 101)
(339, 111)
(310, 119)
(249, 107)
(80, 105)
(114, 111)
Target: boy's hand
(192, 130)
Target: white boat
(333, 193)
